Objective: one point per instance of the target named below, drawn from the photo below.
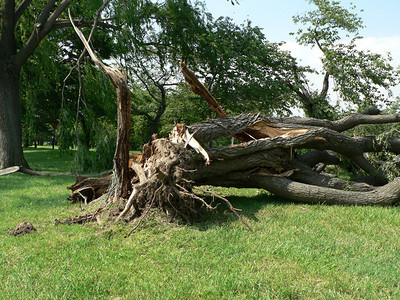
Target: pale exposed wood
(121, 182)
(9, 170)
(198, 88)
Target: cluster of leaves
(243, 70)
(73, 115)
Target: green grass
(296, 251)
(45, 159)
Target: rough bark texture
(171, 168)
(10, 118)
(88, 189)
(121, 156)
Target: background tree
(167, 32)
(243, 70)
(361, 78)
(238, 64)
(16, 47)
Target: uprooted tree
(170, 170)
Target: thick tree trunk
(10, 118)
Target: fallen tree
(171, 169)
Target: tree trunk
(120, 187)
(121, 156)
(10, 118)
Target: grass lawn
(296, 251)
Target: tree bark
(10, 117)
(120, 187)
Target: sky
(381, 19)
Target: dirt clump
(22, 228)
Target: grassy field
(296, 251)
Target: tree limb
(42, 28)
(121, 155)
(21, 8)
(325, 86)
(62, 23)
(388, 194)
(341, 125)
(198, 88)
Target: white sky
(381, 18)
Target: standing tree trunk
(121, 185)
(121, 156)
(10, 117)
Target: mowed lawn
(296, 251)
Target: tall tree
(237, 63)
(362, 78)
(15, 49)
(155, 37)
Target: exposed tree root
(87, 218)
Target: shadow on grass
(49, 160)
(248, 207)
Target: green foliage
(106, 139)
(327, 23)
(41, 79)
(362, 78)
(243, 70)
(100, 158)
(152, 39)
(183, 107)
(49, 100)
(384, 160)
(321, 108)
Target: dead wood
(29, 171)
(198, 88)
(87, 189)
(9, 170)
(314, 157)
